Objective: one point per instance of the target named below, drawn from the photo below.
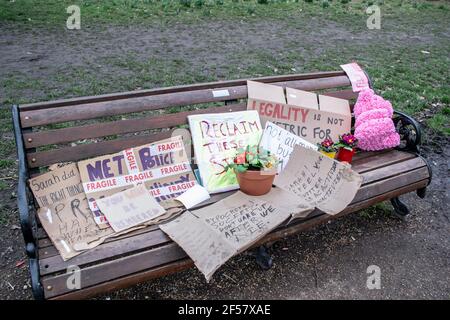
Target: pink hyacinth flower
(372, 114)
(374, 127)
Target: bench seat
(80, 128)
(149, 253)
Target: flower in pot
(347, 147)
(255, 169)
(328, 148)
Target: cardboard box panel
(307, 115)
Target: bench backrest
(74, 129)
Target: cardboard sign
(357, 76)
(162, 166)
(212, 235)
(130, 208)
(64, 211)
(281, 143)
(318, 180)
(216, 138)
(305, 114)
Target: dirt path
(213, 50)
(329, 262)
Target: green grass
(377, 210)
(414, 78)
(53, 12)
(440, 122)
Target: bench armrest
(409, 130)
(27, 211)
(410, 139)
(24, 202)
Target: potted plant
(347, 147)
(328, 148)
(255, 169)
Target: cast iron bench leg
(263, 259)
(400, 208)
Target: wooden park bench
(74, 129)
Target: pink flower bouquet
(374, 127)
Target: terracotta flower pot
(255, 183)
(331, 155)
(345, 155)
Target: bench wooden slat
(128, 280)
(391, 183)
(82, 151)
(108, 271)
(179, 88)
(115, 268)
(141, 241)
(393, 169)
(103, 129)
(148, 103)
(381, 160)
(47, 251)
(346, 94)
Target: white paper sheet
(193, 196)
(130, 208)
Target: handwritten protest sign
(130, 208)
(64, 211)
(305, 114)
(216, 138)
(319, 181)
(281, 143)
(212, 235)
(357, 76)
(162, 166)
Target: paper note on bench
(64, 211)
(193, 196)
(319, 181)
(357, 76)
(281, 143)
(130, 208)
